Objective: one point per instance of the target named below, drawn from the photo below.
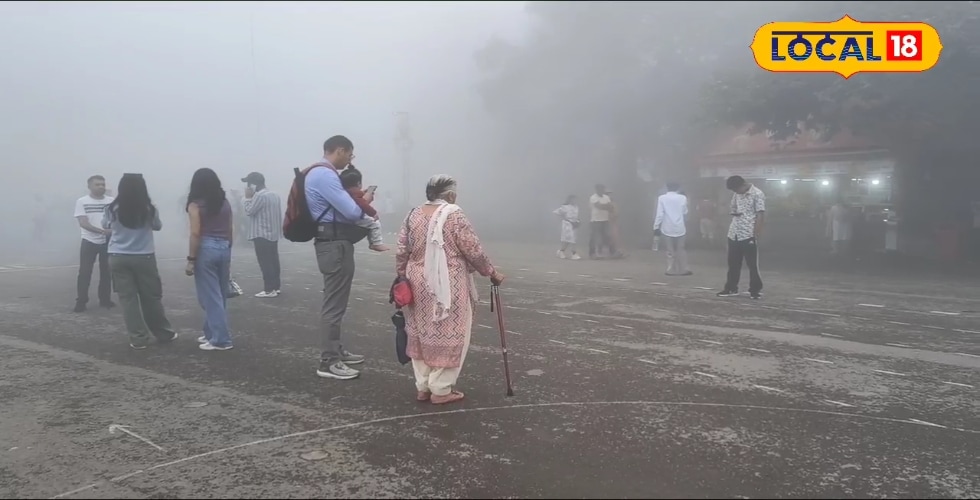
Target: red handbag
(401, 290)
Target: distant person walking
(748, 210)
(132, 219)
(568, 213)
(264, 211)
(839, 228)
(89, 211)
(669, 222)
(209, 255)
(437, 252)
(707, 215)
(336, 213)
(599, 232)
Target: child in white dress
(569, 224)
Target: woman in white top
(569, 225)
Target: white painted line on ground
(808, 299)
(624, 326)
(819, 361)
(358, 298)
(825, 314)
(523, 269)
(122, 428)
(944, 313)
(903, 346)
(767, 388)
(965, 354)
(665, 334)
(706, 374)
(831, 335)
(647, 361)
(966, 331)
(708, 341)
(591, 321)
(622, 279)
(585, 276)
(552, 272)
(373, 284)
(640, 291)
(488, 327)
(702, 288)
(900, 323)
(657, 283)
(565, 317)
(758, 350)
(957, 384)
(932, 327)
(929, 424)
(598, 351)
(871, 305)
(376, 303)
(545, 313)
(886, 372)
(520, 277)
(838, 403)
(557, 342)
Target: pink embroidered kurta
(440, 344)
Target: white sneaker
(561, 255)
(575, 256)
(207, 346)
(202, 340)
(267, 295)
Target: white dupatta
(436, 263)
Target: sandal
(423, 396)
(452, 397)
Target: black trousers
(599, 238)
(86, 264)
(748, 251)
(267, 252)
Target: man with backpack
(320, 208)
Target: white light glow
(825, 182)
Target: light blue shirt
(323, 189)
(124, 240)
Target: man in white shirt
(669, 223)
(599, 235)
(89, 211)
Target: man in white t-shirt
(89, 211)
(669, 222)
(599, 235)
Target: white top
(671, 210)
(95, 210)
(599, 215)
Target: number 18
(906, 46)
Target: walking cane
(495, 302)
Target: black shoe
(755, 295)
(108, 304)
(728, 293)
(79, 307)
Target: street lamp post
(403, 141)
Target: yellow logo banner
(846, 47)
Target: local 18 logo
(846, 47)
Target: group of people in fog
(437, 253)
(747, 211)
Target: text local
(851, 47)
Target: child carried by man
(351, 180)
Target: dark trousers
(599, 237)
(748, 251)
(267, 252)
(86, 263)
(137, 281)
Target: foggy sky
(166, 88)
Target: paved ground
(628, 384)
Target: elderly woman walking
(437, 253)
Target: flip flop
(452, 397)
(423, 396)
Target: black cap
(254, 178)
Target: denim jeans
(211, 275)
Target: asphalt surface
(628, 384)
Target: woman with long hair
(132, 219)
(438, 251)
(209, 255)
